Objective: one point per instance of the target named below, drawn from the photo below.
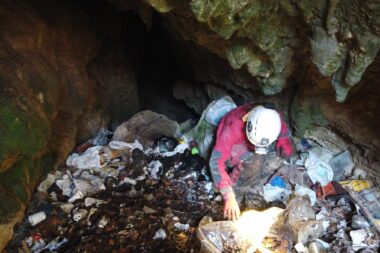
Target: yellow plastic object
(180, 141)
(357, 185)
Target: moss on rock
(22, 131)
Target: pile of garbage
(120, 197)
(327, 207)
(143, 188)
(147, 188)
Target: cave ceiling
(267, 37)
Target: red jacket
(232, 145)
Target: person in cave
(244, 137)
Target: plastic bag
(217, 109)
(318, 170)
(245, 235)
(342, 165)
(203, 132)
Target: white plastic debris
(89, 159)
(317, 246)
(129, 181)
(79, 214)
(323, 243)
(38, 246)
(326, 225)
(322, 214)
(300, 248)
(209, 187)
(181, 226)
(359, 238)
(218, 109)
(103, 222)
(342, 224)
(275, 193)
(121, 145)
(302, 191)
(76, 196)
(92, 201)
(49, 181)
(359, 173)
(88, 183)
(218, 198)
(36, 218)
(179, 149)
(159, 235)
(318, 170)
(65, 185)
(155, 168)
(55, 244)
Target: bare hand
(231, 209)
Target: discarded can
(316, 247)
(36, 218)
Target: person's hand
(231, 209)
(284, 148)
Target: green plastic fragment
(194, 151)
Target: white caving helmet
(263, 128)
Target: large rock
(145, 127)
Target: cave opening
(134, 83)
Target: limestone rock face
(48, 98)
(265, 37)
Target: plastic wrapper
(298, 210)
(245, 235)
(303, 191)
(318, 170)
(342, 165)
(203, 132)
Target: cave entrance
(110, 111)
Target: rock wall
(356, 120)
(49, 98)
(264, 37)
